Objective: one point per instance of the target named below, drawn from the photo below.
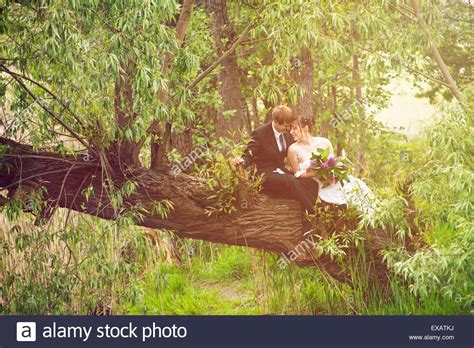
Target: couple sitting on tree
(314, 173)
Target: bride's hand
(299, 173)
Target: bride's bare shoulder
(321, 141)
(293, 147)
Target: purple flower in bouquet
(331, 162)
(312, 164)
(327, 168)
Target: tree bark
(224, 34)
(160, 139)
(183, 142)
(303, 75)
(255, 115)
(127, 150)
(270, 224)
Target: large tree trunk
(269, 224)
(224, 34)
(183, 142)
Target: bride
(353, 192)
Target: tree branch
(271, 224)
(405, 66)
(221, 58)
(49, 112)
(11, 73)
(437, 56)
(405, 15)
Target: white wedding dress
(353, 192)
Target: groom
(267, 150)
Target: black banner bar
(237, 331)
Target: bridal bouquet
(328, 169)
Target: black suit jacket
(262, 150)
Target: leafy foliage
(224, 181)
(443, 197)
(61, 65)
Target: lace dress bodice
(332, 193)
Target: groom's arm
(253, 147)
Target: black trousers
(288, 186)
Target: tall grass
(119, 271)
(85, 265)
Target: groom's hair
(283, 114)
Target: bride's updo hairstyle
(306, 121)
